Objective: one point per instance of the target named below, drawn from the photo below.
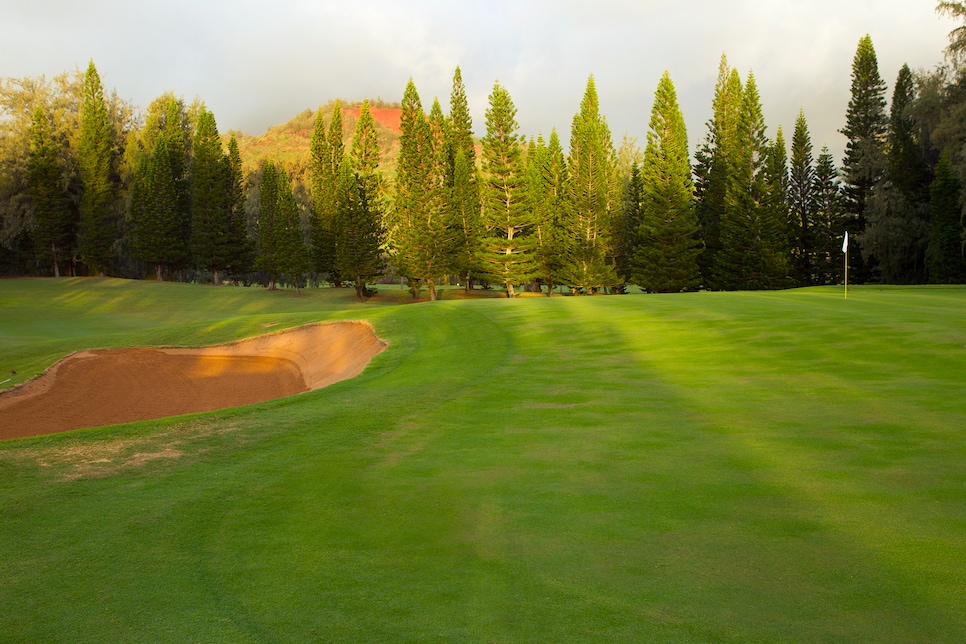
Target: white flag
(845, 243)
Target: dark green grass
(704, 467)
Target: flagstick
(846, 274)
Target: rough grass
(703, 467)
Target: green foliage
(865, 162)
(802, 203)
(54, 221)
(464, 193)
(632, 216)
(421, 232)
(947, 252)
(327, 157)
(291, 254)
(94, 158)
(268, 258)
(507, 219)
(714, 159)
(547, 187)
(753, 227)
(595, 198)
(829, 222)
(157, 222)
(241, 251)
(210, 216)
(359, 246)
(665, 254)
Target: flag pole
(845, 247)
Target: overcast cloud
(256, 63)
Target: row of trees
(87, 186)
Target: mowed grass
(723, 467)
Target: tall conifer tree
(327, 152)
(947, 256)
(594, 197)
(420, 231)
(359, 248)
(95, 163)
(864, 163)
(464, 198)
(829, 221)
(267, 259)
(900, 235)
(667, 245)
(747, 258)
(291, 254)
(802, 201)
(715, 157)
(210, 221)
(241, 252)
(52, 231)
(547, 179)
(509, 256)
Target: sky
(257, 63)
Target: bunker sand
(104, 387)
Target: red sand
(104, 387)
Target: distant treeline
(88, 187)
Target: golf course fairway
(703, 467)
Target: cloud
(257, 63)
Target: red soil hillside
(388, 117)
(289, 142)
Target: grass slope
(702, 467)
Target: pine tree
(947, 256)
(547, 183)
(177, 134)
(714, 158)
(421, 235)
(667, 247)
(508, 256)
(291, 254)
(464, 198)
(95, 164)
(777, 210)
(632, 217)
(154, 206)
(359, 197)
(829, 223)
(241, 252)
(327, 154)
(751, 255)
(210, 221)
(267, 259)
(52, 231)
(802, 201)
(594, 197)
(865, 162)
(460, 133)
(359, 249)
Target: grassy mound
(702, 467)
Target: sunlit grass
(700, 467)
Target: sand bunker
(104, 387)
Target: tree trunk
(158, 272)
(432, 290)
(218, 280)
(509, 290)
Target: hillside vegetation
(288, 143)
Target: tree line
(88, 187)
